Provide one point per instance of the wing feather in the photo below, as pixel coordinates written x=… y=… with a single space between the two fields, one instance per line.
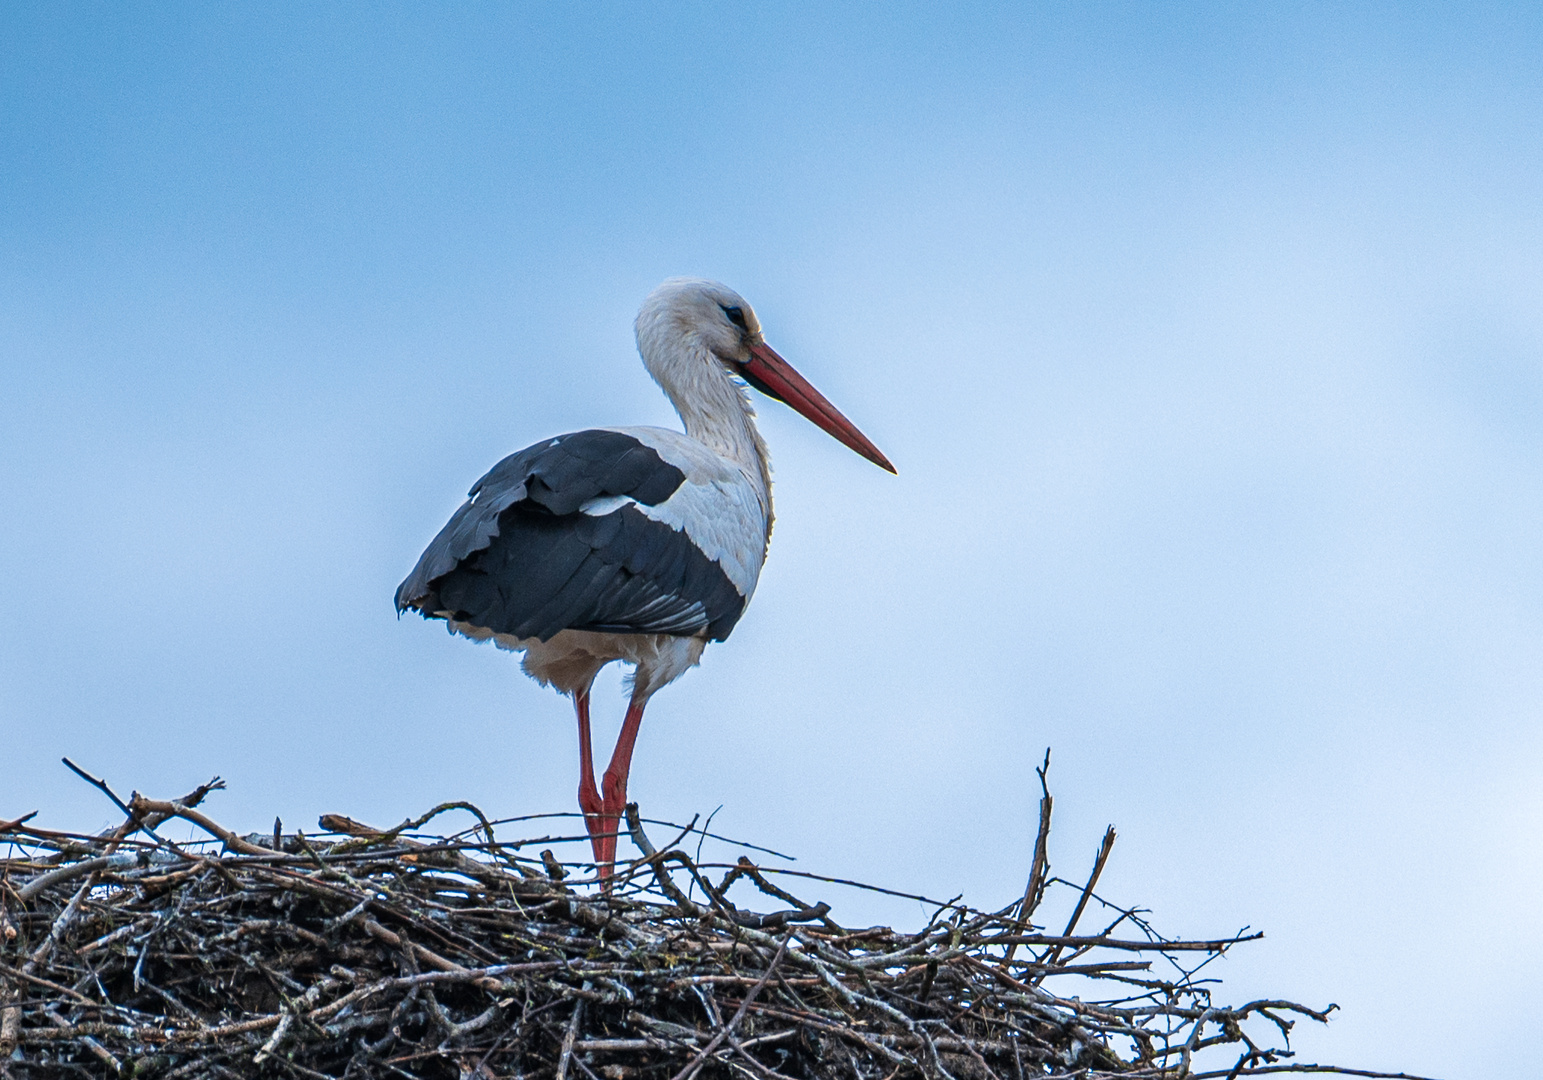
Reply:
x=529 y=555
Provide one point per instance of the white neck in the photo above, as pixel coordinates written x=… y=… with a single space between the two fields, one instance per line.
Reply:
x=714 y=409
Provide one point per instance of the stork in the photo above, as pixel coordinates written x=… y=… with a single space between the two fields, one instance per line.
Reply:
x=638 y=544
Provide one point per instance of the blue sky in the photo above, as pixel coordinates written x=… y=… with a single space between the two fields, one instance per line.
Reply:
x=1206 y=339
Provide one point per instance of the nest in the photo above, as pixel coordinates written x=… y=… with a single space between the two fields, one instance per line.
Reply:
x=360 y=952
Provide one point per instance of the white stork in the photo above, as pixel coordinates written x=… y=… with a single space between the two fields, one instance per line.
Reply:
x=638 y=544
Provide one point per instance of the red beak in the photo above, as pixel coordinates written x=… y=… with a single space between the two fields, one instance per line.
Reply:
x=775 y=377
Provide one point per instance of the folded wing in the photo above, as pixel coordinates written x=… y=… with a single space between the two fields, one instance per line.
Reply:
x=574 y=533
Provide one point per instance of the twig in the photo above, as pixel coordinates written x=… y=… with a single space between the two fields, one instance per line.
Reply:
x=12 y=826
x=140 y=808
x=1262 y=1070
x=568 y=1039
x=1104 y=848
x=728 y=1030
x=1041 y=864
x=363 y=955
x=100 y=785
x=65 y=873
x=1215 y=945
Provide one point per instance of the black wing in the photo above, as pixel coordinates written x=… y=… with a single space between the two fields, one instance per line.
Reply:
x=521 y=558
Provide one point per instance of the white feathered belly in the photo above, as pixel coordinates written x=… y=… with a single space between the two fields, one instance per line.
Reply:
x=570 y=659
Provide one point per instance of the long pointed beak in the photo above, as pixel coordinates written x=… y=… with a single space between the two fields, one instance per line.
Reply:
x=775 y=377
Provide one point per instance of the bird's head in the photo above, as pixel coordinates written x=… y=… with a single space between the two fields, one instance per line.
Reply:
x=687 y=318
x=704 y=312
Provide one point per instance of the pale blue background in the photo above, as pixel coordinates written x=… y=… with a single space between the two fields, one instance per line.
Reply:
x=1207 y=339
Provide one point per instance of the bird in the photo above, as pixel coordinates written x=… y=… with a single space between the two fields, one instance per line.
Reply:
x=633 y=544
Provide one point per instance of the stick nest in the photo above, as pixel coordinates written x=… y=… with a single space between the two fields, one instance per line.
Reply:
x=365 y=953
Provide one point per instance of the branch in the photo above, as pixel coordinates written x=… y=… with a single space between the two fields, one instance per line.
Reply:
x=1040 y=868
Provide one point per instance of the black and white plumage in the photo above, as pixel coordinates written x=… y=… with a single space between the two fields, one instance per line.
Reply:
x=574 y=534
x=636 y=544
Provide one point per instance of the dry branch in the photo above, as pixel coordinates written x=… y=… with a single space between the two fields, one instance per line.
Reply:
x=364 y=952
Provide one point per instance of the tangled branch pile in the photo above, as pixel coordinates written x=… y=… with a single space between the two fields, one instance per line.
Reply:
x=364 y=953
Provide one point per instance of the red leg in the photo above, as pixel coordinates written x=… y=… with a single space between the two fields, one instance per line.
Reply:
x=615 y=780
x=589 y=796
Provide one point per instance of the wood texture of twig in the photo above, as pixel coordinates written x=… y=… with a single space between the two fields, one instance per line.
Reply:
x=1105 y=847
x=372 y=952
x=728 y=1030
x=1039 y=868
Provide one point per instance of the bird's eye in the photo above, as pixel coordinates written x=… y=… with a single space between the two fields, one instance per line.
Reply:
x=735 y=315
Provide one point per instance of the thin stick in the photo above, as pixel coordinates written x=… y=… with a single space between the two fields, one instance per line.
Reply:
x=1335 y=1070
x=135 y=821
x=11 y=826
x=100 y=785
x=568 y=1037
x=1104 y=849
x=744 y=1006
x=1040 y=868
x=423 y=926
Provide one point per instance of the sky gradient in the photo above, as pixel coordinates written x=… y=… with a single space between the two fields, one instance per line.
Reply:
x=1206 y=338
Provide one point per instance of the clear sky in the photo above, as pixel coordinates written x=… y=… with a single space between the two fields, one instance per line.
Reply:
x=1207 y=339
